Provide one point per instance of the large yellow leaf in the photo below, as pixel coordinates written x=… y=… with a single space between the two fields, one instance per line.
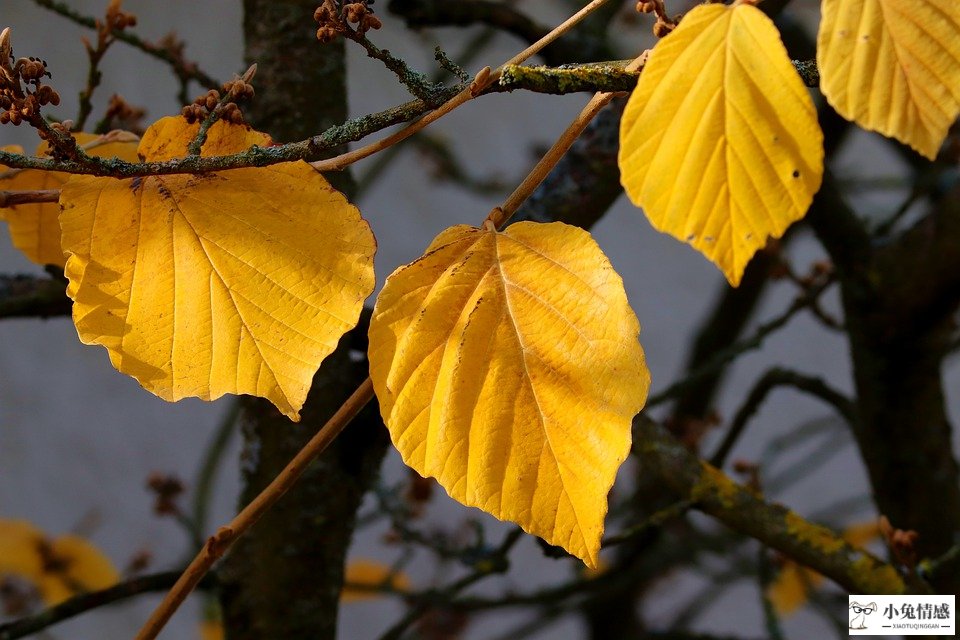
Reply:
x=34 y=228
x=59 y=568
x=719 y=142
x=507 y=366
x=893 y=66
x=237 y=282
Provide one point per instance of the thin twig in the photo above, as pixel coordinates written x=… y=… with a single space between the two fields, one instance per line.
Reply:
x=85 y=602
x=415 y=81
x=496 y=563
x=218 y=544
x=183 y=69
x=721 y=358
x=94 y=76
x=484 y=79
x=211 y=463
x=777 y=377
x=652 y=523
x=13 y=198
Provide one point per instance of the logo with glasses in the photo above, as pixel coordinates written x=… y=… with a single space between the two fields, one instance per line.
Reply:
x=859 y=613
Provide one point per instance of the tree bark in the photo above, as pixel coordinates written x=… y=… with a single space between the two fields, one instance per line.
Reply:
x=899 y=299
x=283 y=579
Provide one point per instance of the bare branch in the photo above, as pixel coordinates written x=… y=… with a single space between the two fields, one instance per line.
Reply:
x=13 y=198
x=85 y=602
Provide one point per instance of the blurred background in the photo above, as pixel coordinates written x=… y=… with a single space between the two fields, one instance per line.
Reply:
x=78 y=440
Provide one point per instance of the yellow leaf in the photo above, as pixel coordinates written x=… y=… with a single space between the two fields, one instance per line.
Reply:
x=791 y=588
x=83 y=568
x=211 y=630
x=20 y=542
x=719 y=142
x=237 y=282
x=59 y=568
x=507 y=367
x=893 y=66
x=861 y=534
x=373 y=574
x=34 y=228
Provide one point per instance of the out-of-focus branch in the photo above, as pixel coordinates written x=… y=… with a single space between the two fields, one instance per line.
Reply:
x=183 y=69
x=503 y=17
x=23 y=296
x=724 y=356
x=772 y=379
x=13 y=198
x=437 y=13
x=817 y=547
x=85 y=602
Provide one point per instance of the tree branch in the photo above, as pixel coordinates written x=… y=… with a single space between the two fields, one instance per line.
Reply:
x=772 y=379
x=600 y=76
x=416 y=82
x=183 y=69
x=13 y=198
x=437 y=13
x=23 y=296
x=817 y=547
x=85 y=602
x=721 y=358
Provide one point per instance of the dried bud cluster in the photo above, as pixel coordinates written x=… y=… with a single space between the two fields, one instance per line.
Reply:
x=63 y=127
x=223 y=105
x=117 y=19
x=901 y=542
x=166 y=490
x=238 y=89
x=335 y=18
x=661 y=29
x=664 y=23
x=121 y=114
x=22 y=92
